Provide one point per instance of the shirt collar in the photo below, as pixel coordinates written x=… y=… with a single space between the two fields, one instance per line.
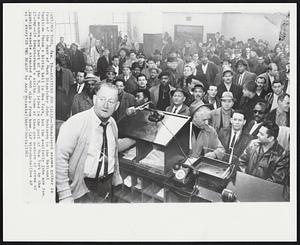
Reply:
x=96 y=119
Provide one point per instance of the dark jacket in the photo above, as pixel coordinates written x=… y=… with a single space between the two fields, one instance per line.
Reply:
x=210 y=75
x=235 y=89
x=183 y=111
x=272 y=166
x=249 y=127
x=130 y=84
x=218 y=100
x=81 y=102
x=240 y=144
x=218 y=80
x=77 y=61
x=248 y=105
x=102 y=65
x=127 y=100
x=248 y=77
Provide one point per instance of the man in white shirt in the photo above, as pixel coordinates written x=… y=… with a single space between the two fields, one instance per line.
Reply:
x=87 y=151
x=177 y=106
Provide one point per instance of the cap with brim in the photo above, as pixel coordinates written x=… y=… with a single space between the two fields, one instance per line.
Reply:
x=227 y=70
x=198 y=85
x=196 y=106
x=171 y=59
x=242 y=62
x=126 y=66
x=91 y=77
x=154 y=68
x=227 y=96
x=110 y=69
x=164 y=73
x=178 y=90
x=141 y=55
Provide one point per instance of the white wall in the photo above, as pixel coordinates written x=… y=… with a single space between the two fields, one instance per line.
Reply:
x=211 y=22
x=92 y=17
x=246 y=25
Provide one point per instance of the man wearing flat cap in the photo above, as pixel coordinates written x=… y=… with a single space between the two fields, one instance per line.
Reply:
x=177 y=106
x=153 y=77
x=84 y=100
x=110 y=75
x=220 y=117
x=198 y=92
x=161 y=94
x=228 y=85
x=243 y=76
x=204 y=139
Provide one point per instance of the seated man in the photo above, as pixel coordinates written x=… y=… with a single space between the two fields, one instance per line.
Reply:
x=220 y=118
x=142 y=96
x=191 y=81
x=259 y=114
x=281 y=115
x=204 y=138
x=84 y=100
x=264 y=157
x=234 y=138
x=126 y=100
x=177 y=106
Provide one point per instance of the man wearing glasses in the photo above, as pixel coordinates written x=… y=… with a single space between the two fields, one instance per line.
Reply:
x=87 y=151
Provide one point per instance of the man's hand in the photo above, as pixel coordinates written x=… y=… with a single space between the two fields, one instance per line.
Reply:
x=211 y=155
x=67 y=200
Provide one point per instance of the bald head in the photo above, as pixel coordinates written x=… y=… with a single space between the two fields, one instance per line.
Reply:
x=201 y=117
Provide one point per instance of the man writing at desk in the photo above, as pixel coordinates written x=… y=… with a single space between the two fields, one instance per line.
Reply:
x=265 y=157
x=87 y=151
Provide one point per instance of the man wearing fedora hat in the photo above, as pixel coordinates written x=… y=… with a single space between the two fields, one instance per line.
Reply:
x=110 y=75
x=220 y=118
x=84 y=100
x=177 y=106
x=228 y=85
x=243 y=76
x=204 y=137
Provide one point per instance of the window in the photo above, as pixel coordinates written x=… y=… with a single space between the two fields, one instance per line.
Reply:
x=67 y=27
x=120 y=19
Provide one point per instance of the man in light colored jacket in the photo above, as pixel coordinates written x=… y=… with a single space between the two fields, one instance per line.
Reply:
x=85 y=171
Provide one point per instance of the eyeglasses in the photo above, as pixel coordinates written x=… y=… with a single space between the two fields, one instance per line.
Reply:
x=110 y=102
x=259 y=112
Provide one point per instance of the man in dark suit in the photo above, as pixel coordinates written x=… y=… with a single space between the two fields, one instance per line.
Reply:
x=130 y=80
x=281 y=115
x=77 y=59
x=206 y=71
x=249 y=100
x=259 y=114
x=103 y=63
x=234 y=138
x=228 y=85
x=126 y=100
x=177 y=106
x=270 y=75
x=84 y=100
x=243 y=75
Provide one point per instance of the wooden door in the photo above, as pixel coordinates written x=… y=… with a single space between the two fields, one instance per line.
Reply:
x=152 y=42
x=108 y=34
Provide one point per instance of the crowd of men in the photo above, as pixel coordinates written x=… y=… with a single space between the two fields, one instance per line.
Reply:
x=236 y=92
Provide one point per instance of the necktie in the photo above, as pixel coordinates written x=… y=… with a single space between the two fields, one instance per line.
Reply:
x=104 y=153
x=175 y=109
x=78 y=87
x=232 y=141
x=240 y=80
